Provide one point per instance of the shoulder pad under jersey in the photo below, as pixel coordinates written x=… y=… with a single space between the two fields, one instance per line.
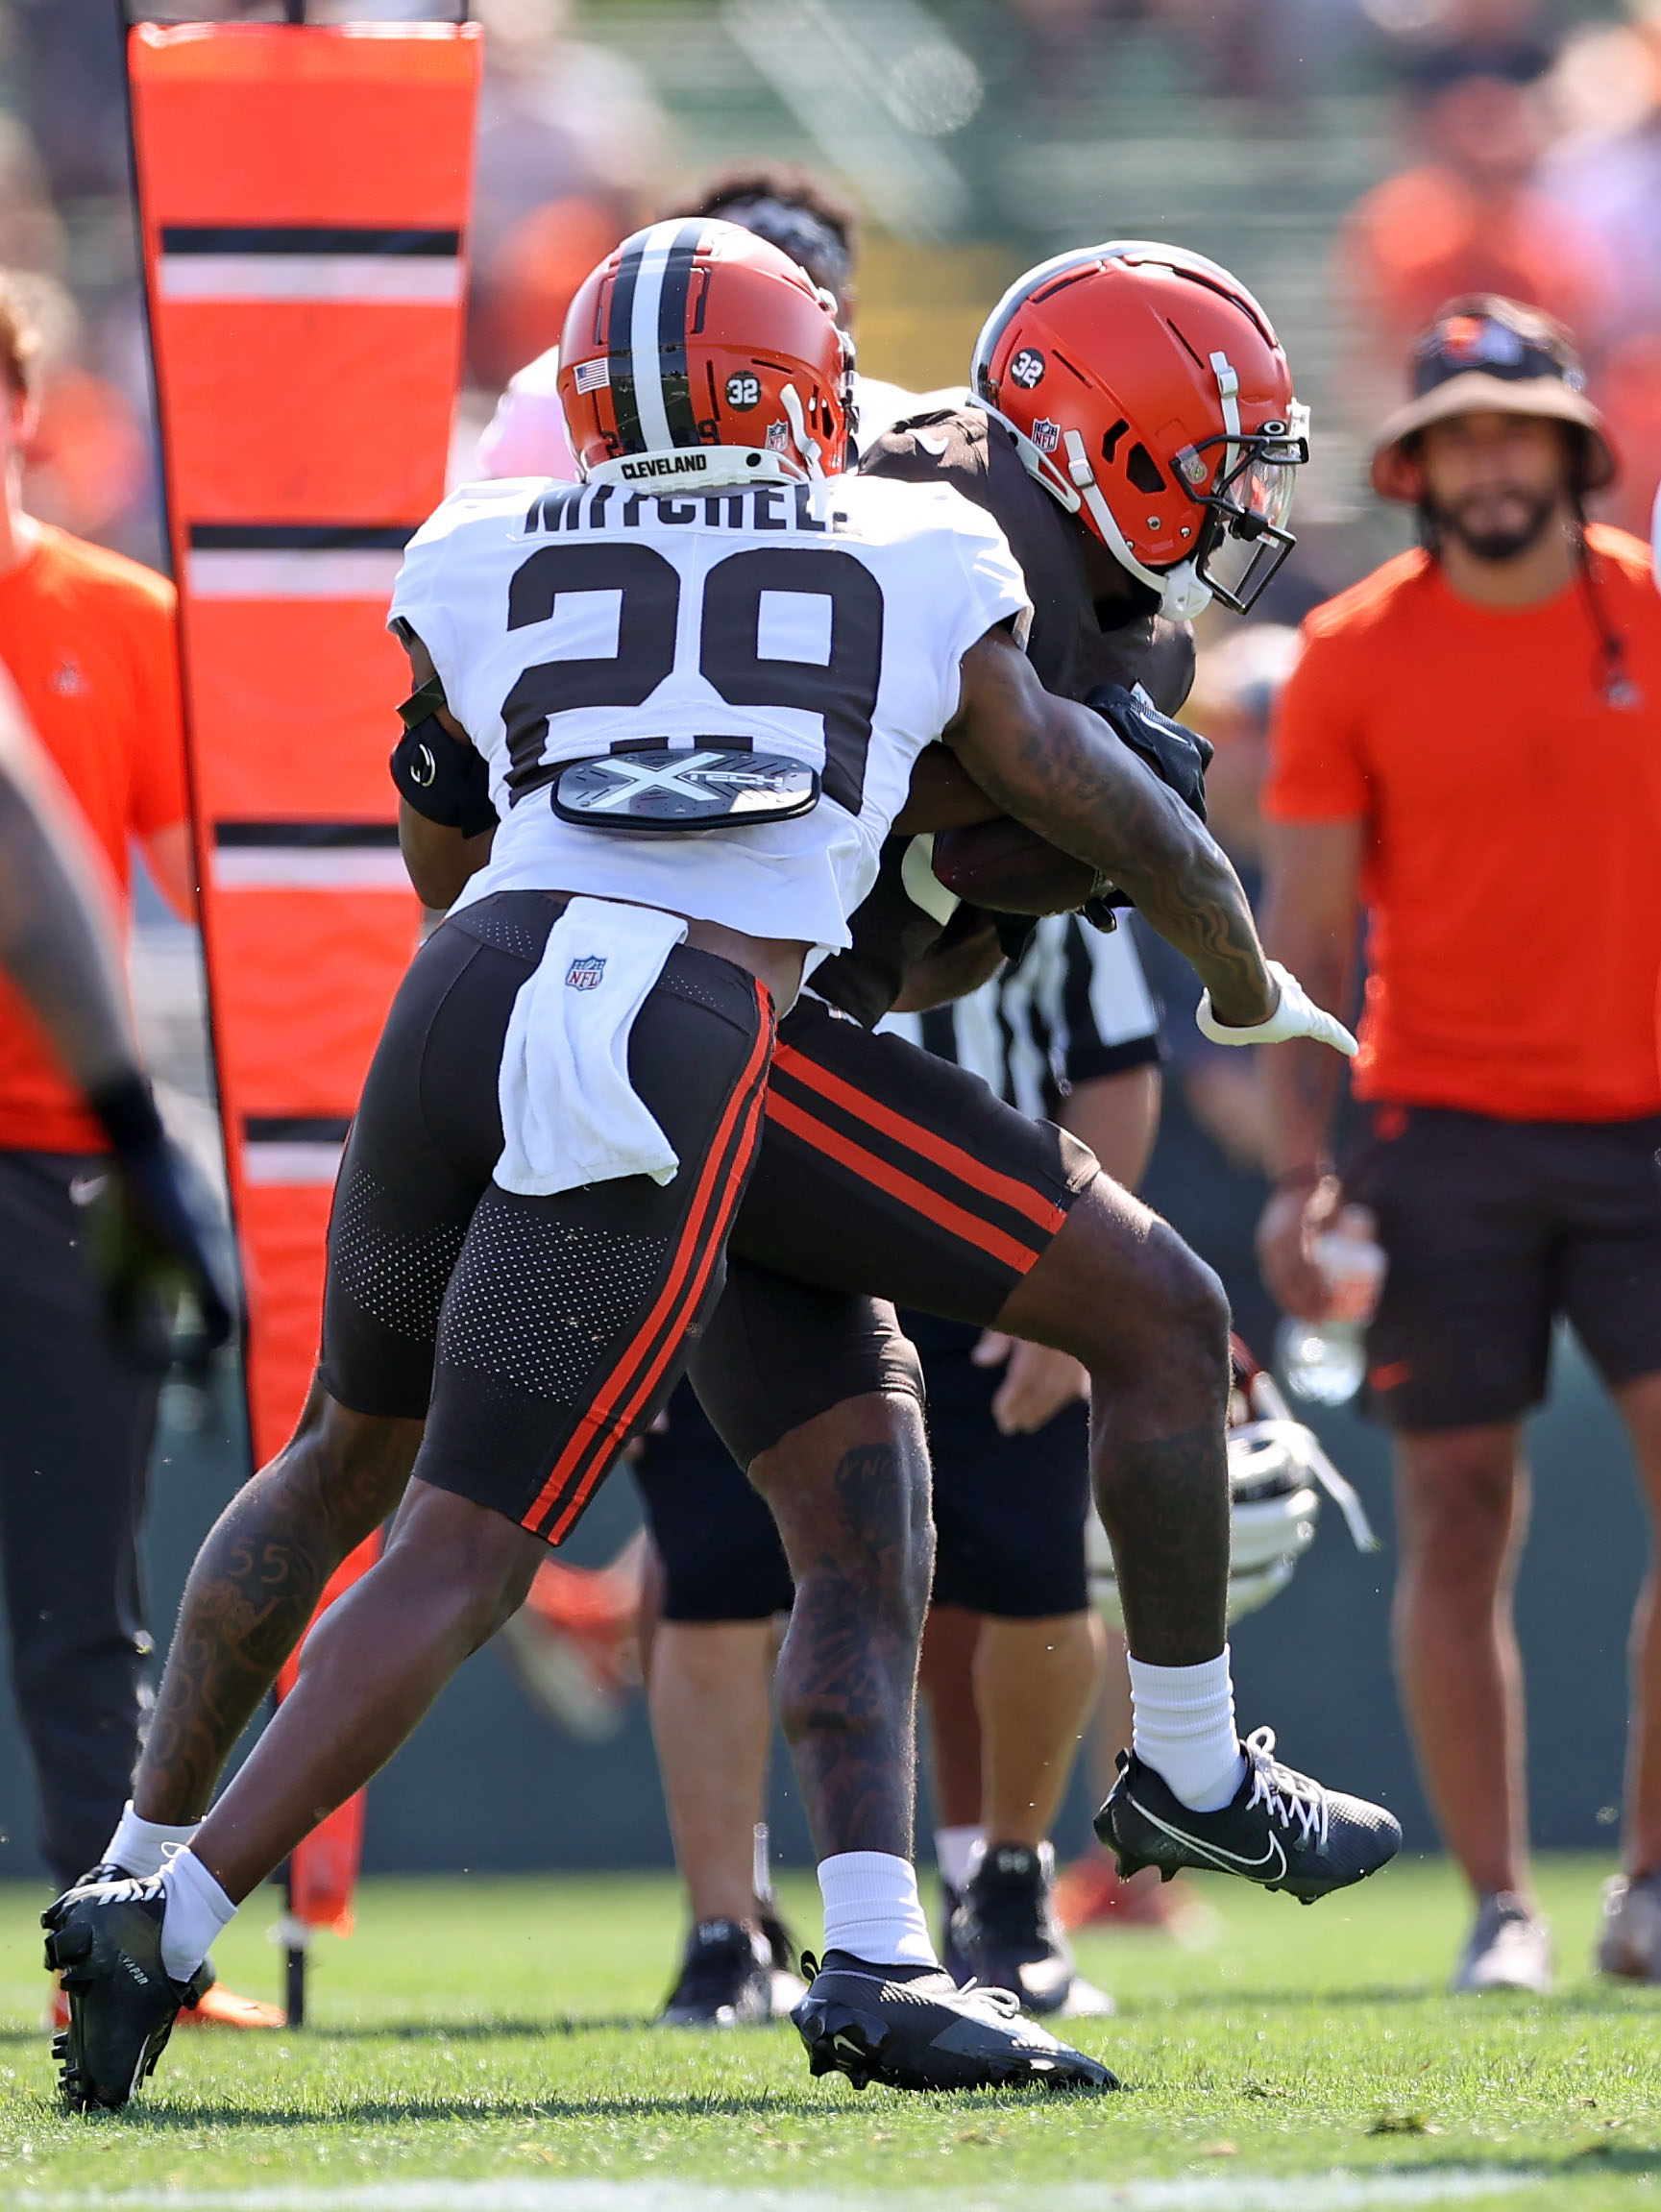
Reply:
x=1070 y=650
x=945 y=445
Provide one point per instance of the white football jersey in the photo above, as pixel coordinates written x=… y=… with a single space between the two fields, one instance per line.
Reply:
x=821 y=622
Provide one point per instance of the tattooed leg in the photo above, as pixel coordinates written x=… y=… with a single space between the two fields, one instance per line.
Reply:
x=850 y=1493
x=452 y=1573
x=1122 y=1292
x=255 y=1586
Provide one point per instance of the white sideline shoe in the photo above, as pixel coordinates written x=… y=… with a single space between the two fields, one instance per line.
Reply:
x=1629 y=1934
x=1510 y=1948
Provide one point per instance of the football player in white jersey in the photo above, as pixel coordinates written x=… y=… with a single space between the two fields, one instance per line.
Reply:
x=720 y=1569
x=563 y=1113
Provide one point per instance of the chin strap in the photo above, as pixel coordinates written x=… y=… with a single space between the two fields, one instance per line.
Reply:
x=1036 y=464
x=1182 y=595
x=807 y=445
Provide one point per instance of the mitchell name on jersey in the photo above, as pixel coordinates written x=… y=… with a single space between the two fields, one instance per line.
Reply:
x=819 y=624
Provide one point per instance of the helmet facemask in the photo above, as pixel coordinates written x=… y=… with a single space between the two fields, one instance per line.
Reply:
x=1244 y=539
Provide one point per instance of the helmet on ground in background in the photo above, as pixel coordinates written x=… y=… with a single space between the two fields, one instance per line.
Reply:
x=696 y=354
x=1276 y=1475
x=1148 y=393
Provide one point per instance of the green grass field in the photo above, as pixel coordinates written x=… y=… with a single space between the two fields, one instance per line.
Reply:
x=482 y=2044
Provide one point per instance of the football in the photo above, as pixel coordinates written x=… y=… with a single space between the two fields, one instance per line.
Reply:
x=1005 y=866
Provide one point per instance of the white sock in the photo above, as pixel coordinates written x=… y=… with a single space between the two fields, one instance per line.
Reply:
x=1184 y=1729
x=197 y=1910
x=143 y=1846
x=958 y=1852
x=871 y=1907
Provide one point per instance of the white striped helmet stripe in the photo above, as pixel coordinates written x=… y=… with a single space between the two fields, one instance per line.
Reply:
x=642 y=336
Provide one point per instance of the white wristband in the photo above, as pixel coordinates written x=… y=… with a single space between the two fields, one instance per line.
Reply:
x=1297 y=1015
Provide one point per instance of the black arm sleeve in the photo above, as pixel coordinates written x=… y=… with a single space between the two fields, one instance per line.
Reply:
x=443 y=778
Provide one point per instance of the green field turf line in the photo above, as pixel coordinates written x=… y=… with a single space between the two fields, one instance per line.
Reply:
x=1232 y=2193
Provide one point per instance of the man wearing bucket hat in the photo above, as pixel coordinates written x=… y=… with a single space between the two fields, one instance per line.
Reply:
x=1469 y=753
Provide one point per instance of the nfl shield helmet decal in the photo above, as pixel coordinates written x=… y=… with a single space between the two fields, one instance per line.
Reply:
x=1046 y=436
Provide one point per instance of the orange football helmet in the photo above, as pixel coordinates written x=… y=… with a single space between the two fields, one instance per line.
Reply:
x=697 y=353
x=1147 y=391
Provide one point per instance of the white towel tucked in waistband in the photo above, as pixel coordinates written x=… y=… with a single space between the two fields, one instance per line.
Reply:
x=570 y=1114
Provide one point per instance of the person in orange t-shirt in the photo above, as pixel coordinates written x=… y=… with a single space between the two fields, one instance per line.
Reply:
x=89 y=641
x=1470 y=751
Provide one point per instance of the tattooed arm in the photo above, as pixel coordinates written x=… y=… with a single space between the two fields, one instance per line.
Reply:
x=1061 y=770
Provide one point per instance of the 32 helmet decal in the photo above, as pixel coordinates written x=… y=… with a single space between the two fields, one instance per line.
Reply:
x=684 y=343
x=1167 y=420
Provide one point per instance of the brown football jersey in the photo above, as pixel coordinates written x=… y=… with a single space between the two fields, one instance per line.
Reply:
x=1075 y=644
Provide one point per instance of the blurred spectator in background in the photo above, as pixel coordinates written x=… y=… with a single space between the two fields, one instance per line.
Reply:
x=1470 y=748
x=70 y=63
x=1606 y=170
x=1606 y=174
x=1469 y=215
x=66 y=217
x=87 y=466
x=570 y=139
x=88 y=639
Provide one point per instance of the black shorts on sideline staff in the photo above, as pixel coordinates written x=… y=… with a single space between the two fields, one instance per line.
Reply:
x=1492 y=1231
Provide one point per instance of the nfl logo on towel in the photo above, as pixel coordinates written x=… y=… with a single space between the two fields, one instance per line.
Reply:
x=583 y=975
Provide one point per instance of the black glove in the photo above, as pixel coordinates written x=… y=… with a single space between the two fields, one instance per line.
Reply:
x=1178 y=756
x=1015 y=933
x=151 y=1240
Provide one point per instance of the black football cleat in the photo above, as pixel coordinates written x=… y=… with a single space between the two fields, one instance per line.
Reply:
x=1006 y=1933
x=725 y=1978
x=1280 y=1828
x=912 y=2028
x=104 y=1943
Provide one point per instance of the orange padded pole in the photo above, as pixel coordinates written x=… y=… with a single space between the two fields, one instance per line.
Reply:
x=304 y=195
